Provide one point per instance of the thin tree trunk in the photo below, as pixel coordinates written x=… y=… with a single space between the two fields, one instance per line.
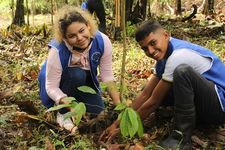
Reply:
x=32 y=10
x=12 y=7
x=124 y=50
x=117 y=16
x=208 y=7
x=117 y=19
x=52 y=11
x=211 y=6
x=28 y=22
x=178 y=7
x=149 y=9
x=205 y=8
x=129 y=4
x=170 y=8
x=19 y=14
x=201 y=8
x=143 y=9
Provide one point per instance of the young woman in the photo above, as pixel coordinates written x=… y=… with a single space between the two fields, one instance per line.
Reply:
x=74 y=56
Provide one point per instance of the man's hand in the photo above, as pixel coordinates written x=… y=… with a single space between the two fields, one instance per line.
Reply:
x=109 y=133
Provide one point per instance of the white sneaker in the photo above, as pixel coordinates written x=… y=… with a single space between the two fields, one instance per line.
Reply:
x=66 y=123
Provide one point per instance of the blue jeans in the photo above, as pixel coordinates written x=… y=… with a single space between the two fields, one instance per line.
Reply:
x=74 y=77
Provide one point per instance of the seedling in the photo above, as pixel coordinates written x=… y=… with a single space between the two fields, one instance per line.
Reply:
x=130 y=121
x=77 y=109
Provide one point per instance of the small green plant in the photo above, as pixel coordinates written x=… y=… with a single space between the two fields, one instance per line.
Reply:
x=83 y=143
x=77 y=109
x=130 y=121
x=3 y=120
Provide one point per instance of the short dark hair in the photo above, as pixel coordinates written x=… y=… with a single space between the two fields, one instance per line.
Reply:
x=145 y=29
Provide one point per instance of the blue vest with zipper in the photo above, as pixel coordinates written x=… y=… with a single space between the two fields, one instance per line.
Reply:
x=95 y=53
x=215 y=74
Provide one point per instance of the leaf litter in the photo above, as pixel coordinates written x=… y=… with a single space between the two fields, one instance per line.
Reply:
x=25 y=124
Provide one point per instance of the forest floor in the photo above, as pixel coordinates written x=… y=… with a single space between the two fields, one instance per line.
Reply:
x=24 y=123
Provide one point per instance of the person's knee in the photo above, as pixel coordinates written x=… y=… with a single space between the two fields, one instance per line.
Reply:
x=181 y=70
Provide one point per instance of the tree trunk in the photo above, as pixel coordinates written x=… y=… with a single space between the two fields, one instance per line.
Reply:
x=178 y=7
x=52 y=11
x=12 y=7
x=143 y=9
x=117 y=19
x=211 y=6
x=201 y=8
x=33 y=10
x=27 y=8
x=149 y=9
x=66 y=2
x=208 y=7
x=19 y=15
x=123 y=23
x=129 y=4
x=170 y=8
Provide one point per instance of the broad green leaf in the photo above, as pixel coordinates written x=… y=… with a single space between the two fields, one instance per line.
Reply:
x=120 y=115
x=59 y=107
x=80 y=108
x=69 y=99
x=120 y=106
x=140 y=126
x=70 y=114
x=80 y=111
x=123 y=124
x=86 y=89
x=132 y=123
x=133 y=118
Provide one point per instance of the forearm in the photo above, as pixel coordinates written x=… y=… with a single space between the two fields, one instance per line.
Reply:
x=139 y=100
x=157 y=96
x=146 y=109
x=113 y=92
x=146 y=93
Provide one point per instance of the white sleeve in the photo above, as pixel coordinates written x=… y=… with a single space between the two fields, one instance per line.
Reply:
x=53 y=76
x=106 y=72
x=186 y=56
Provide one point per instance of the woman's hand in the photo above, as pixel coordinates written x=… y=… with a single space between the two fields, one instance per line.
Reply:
x=65 y=101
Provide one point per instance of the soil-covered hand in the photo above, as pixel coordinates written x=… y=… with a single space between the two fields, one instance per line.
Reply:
x=65 y=100
x=109 y=133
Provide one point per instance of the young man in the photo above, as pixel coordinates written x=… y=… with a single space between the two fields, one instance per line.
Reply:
x=193 y=73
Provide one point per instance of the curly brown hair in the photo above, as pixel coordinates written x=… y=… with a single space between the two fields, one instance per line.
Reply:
x=69 y=14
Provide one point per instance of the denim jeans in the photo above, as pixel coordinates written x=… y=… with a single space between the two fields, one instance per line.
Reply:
x=74 y=77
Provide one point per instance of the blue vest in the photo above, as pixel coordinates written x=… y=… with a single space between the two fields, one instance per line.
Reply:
x=95 y=53
x=215 y=74
x=84 y=6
